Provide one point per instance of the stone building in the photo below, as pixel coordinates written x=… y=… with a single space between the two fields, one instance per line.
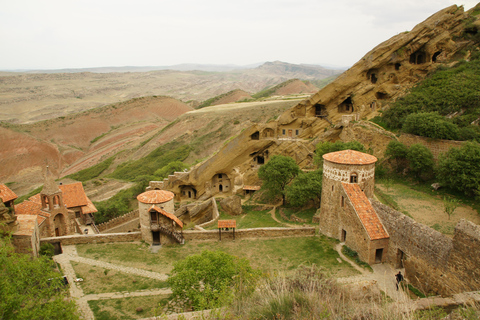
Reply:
x=346 y=212
x=23 y=229
x=157 y=222
x=60 y=209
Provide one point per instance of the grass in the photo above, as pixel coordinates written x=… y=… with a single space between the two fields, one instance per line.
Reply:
x=305 y=214
x=112 y=309
x=354 y=256
x=101 y=280
x=92 y=172
x=266 y=254
x=250 y=219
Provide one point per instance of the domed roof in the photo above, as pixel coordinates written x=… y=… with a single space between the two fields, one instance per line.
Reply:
x=350 y=157
x=155 y=196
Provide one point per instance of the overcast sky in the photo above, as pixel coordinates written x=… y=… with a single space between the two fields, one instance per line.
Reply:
x=53 y=34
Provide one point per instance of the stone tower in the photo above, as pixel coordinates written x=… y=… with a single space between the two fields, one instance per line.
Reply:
x=59 y=219
x=157 y=222
x=343 y=167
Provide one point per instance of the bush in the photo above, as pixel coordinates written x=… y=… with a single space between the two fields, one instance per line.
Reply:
x=432 y=125
x=211 y=279
x=420 y=160
x=458 y=169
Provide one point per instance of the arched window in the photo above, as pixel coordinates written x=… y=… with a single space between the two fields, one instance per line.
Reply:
x=353 y=178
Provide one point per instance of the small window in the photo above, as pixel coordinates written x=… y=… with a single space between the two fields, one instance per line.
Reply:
x=353 y=178
x=333 y=188
x=343 y=202
x=283 y=131
x=296 y=132
x=219 y=176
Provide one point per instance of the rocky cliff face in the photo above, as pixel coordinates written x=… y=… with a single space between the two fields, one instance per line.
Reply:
x=381 y=76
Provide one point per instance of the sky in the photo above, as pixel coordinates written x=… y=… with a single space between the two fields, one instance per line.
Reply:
x=55 y=34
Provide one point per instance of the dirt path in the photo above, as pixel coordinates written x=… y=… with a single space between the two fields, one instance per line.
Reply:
x=383 y=276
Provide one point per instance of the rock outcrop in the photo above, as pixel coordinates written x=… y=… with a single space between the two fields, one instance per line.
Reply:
x=382 y=75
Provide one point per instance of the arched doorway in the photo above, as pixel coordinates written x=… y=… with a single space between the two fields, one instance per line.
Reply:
x=59 y=225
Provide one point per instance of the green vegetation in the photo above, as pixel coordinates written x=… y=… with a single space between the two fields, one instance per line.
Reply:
x=453 y=92
x=31 y=288
x=100 y=280
x=420 y=160
x=276 y=175
x=160 y=157
x=126 y=308
x=269 y=255
x=354 y=256
x=458 y=169
x=211 y=279
x=92 y=172
x=306 y=187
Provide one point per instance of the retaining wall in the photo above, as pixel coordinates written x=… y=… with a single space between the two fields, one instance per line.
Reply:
x=213 y=235
x=94 y=238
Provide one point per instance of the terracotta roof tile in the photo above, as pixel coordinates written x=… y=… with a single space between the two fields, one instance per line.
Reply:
x=155 y=196
x=350 y=157
x=6 y=194
x=227 y=223
x=168 y=215
x=31 y=208
x=365 y=211
x=35 y=198
x=26 y=225
x=74 y=195
x=89 y=208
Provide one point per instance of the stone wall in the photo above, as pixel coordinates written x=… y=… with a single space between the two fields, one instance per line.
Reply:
x=433 y=262
x=94 y=238
x=213 y=235
x=129 y=226
x=189 y=235
x=437 y=147
x=117 y=221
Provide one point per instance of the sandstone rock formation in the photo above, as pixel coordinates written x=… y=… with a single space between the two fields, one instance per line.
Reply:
x=381 y=76
x=232 y=205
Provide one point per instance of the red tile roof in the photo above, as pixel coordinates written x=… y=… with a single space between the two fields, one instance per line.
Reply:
x=26 y=225
x=89 y=208
x=74 y=195
x=350 y=157
x=365 y=211
x=6 y=194
x=155 y=196
x=227 y=224
x=168 y=215
x=31 y=208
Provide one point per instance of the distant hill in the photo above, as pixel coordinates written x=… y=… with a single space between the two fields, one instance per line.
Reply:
x=229 y=97
x=289 y=87
x=31 y=97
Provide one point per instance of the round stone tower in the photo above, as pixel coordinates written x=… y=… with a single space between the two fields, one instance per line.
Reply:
x=150 y=204
x=343 y=167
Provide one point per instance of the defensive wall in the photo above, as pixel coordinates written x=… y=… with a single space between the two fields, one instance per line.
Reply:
x=125 y=223
x=436 y=146
x=433 y=262
x=189 y=235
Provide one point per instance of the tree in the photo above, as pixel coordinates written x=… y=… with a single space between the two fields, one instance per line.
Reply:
x=277 y=174
x=305 y=187
x=449 y=206
x=459 y=169
x=398 y=152
x=31 y=288
x=327 y=147
x=211 y=279
x=420 y=160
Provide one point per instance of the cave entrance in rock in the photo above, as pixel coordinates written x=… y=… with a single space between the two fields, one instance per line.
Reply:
x=320 y=110
x=418 y=57
x=435 y=56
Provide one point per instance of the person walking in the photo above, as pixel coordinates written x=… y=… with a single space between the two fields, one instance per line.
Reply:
x=399 y=278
